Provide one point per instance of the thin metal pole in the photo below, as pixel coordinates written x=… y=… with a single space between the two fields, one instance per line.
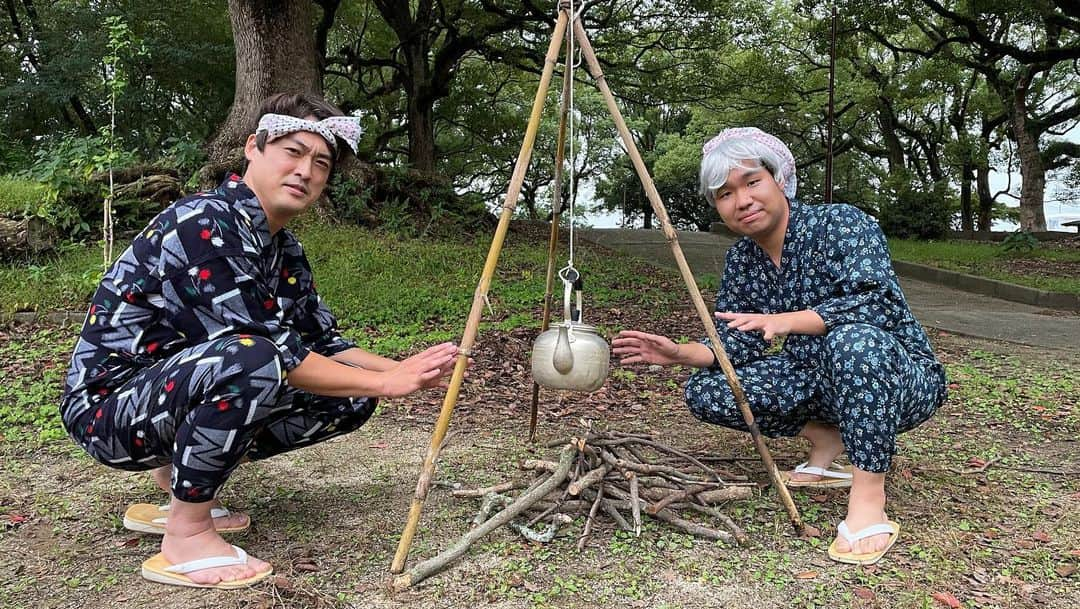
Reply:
x=695 y=295
x=472 y=325
x=832 y=118
x=553 y=240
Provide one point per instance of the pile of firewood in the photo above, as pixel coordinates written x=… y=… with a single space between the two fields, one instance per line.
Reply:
x=624 y=477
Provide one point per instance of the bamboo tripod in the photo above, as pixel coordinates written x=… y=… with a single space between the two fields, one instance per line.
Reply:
x=472 y=324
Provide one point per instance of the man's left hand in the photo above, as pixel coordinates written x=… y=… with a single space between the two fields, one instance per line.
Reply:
x=770 y=325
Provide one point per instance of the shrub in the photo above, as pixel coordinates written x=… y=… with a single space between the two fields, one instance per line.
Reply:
x=405 y=202
x=916 y=213
x=1019 y=241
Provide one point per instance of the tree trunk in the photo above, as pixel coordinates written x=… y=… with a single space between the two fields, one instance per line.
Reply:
x=421 y=134
x=893 y=146
x=275 y=53
x=421 y=107
x=1032 y=174
x=1032 y=170
x=966 y=220
x=986 y=200
x=28 y=236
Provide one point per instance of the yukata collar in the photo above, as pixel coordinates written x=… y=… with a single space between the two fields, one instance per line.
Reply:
x=241 y=195
x=791 y=234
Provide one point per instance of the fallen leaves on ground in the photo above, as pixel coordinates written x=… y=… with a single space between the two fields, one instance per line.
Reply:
x=946 y=599
x=864 y=593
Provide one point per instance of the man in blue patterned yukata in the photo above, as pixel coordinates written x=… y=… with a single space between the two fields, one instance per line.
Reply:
x=855 y=368
x=207 y=345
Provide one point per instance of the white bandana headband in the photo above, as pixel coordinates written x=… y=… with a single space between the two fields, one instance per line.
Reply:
x=345 y=127
x=787 y=164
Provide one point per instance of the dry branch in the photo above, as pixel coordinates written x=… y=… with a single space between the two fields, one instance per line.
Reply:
x=601 y=472
x=433 y=565
x=502 y=487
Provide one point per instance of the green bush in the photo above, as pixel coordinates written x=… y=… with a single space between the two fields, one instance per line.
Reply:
x=66 y=166
x=1019 y=241
x=405 y=202
x=916 y=213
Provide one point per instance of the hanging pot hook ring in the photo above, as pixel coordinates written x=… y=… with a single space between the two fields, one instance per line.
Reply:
x=569 y=276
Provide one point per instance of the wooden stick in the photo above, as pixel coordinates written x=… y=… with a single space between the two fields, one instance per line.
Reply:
x=501 y=487
x=589 y=520
x=720 y=495
x=472 y=325
x=437 y=563
x=693 y=528
x=539 y=465
x=660 y=211
x=673 y=497
x=553 y=238
x=678 y=453
x=616 y=516
x=592 y=477
x=668 y=516
x=640 y=468
x=635 y=505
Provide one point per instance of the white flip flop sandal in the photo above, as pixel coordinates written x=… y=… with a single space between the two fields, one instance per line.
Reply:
x=157 y=569
x=834 y=476
x=868 y=558
x=150 y=518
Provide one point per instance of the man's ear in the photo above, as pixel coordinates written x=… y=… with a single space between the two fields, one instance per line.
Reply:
x=250 y=148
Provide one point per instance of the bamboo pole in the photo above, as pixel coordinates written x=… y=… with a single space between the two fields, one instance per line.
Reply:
x=699 y=304
x=553 y=240
x=472 y=325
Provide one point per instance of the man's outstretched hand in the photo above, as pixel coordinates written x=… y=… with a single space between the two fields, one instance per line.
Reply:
x=424 y=370
x=634 y=347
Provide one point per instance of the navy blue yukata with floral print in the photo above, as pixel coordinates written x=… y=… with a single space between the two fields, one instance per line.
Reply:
x=873 y=374
x=187 y=344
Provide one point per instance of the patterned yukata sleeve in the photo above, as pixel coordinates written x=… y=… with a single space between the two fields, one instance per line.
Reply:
x=865 y=289
x=312 y=318
x=733 y=295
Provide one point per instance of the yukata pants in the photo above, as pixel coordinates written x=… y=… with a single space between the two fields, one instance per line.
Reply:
x=205 y=408
x=860 y=380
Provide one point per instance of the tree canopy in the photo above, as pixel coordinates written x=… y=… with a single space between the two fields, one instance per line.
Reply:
x=931 y=96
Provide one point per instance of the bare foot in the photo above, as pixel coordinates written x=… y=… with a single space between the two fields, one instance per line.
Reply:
x=825 y=446
x=190 y=535
x=866 y=507
x=235 y=520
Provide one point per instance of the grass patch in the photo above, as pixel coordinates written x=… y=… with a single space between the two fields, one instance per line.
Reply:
x=29 y=403
x=20 y=198
x=994 y=262
x=61 y=280
x=388 y=293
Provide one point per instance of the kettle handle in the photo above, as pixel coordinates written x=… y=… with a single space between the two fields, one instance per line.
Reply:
x=572 y=285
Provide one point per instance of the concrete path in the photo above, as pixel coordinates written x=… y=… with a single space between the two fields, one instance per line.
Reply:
x=935 y=306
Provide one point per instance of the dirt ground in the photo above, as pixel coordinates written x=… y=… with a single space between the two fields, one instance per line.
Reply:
x=987 y=494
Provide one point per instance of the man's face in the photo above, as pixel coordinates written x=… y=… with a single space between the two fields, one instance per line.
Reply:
x=288 y=174
x=751 y=203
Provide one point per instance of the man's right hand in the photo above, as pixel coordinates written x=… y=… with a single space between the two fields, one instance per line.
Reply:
x=424 y=370
x=634 y=347
x=640 y=347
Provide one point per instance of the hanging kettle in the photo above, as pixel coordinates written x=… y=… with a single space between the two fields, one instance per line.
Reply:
x=571 y=355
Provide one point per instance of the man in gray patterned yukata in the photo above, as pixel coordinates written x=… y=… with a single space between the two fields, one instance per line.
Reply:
x=855 y=368
x=206 y=344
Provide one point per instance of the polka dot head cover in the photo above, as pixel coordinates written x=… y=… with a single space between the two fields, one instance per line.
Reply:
x=345 y=127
